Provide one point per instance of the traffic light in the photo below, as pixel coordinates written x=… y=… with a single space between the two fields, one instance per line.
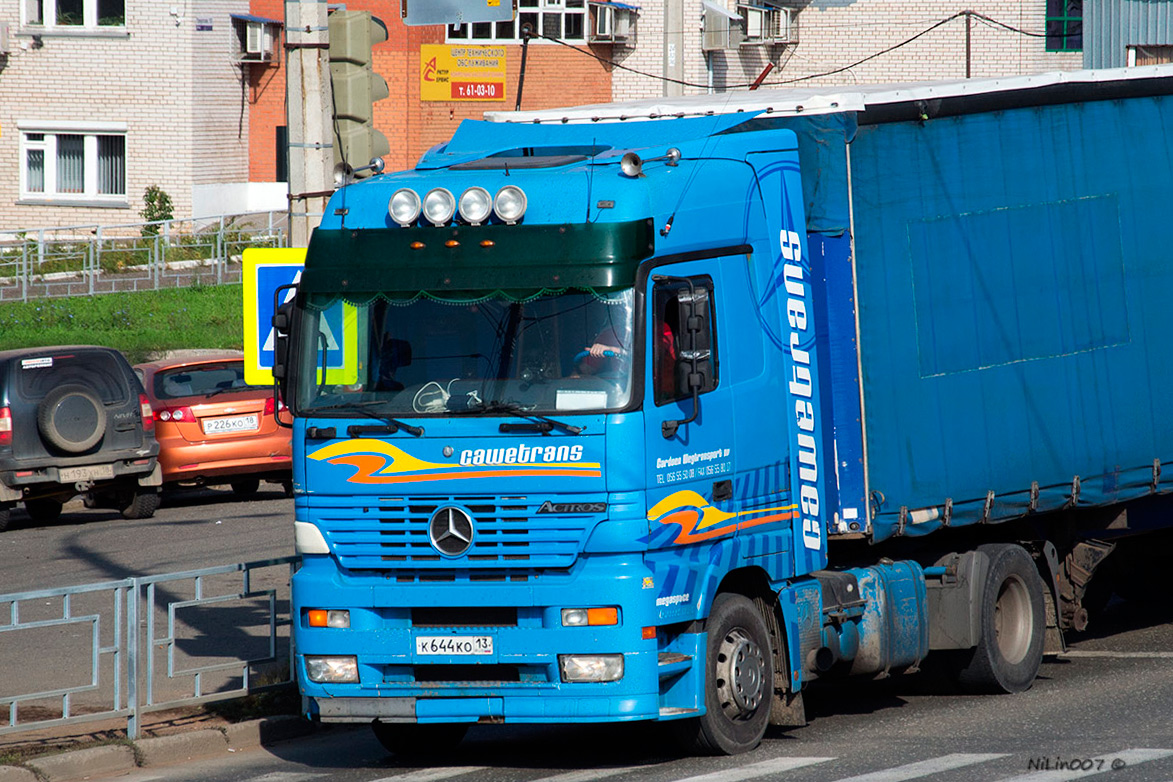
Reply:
x=356 y=88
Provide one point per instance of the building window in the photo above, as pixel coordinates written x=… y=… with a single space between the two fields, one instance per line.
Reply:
x=565 y=20
x=1064 y=25
x=1149 y=55
x=75 y=13
x=73 y=166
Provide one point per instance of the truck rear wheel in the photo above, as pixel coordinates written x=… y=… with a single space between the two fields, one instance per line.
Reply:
x=1013 y=623
x=5 y=512
x=415 y=739
x=739 y=681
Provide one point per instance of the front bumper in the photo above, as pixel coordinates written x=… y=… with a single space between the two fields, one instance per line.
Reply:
x=519 y=682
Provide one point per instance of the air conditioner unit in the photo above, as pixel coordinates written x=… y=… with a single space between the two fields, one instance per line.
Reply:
x=722 y=29
x=254 y=40
x=613 y=23
x=765 y=25
x=784 y=28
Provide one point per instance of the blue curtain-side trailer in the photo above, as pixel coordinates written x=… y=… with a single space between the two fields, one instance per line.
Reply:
x=647 y=411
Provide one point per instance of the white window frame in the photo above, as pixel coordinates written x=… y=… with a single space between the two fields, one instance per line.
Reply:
x=49 y=16
x=543 y=7
x=90 y=133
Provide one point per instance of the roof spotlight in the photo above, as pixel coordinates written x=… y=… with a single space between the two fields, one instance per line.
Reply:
x=475 y=205
x=404 y=207
x=439 y=206
x=509 y=205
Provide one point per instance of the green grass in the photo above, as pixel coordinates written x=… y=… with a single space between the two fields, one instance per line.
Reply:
x=138 y=324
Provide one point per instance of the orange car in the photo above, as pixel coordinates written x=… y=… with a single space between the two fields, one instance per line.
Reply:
x=212 y=427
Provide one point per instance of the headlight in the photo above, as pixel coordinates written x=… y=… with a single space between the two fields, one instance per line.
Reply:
x=589 y=617
x=332 y=670
x=404 y=207
x=439 y=206
x=509 y=205
x=321 y=617
x=591 y=667
x=475 y=205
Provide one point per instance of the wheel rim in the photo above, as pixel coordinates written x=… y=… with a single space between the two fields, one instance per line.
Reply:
x=741 y=670
x=1013 y=620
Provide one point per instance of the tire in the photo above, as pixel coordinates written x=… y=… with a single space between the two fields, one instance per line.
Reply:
x=246 y=487
x=44 y=510
x=739 y=681
x=287 y=487
x=419 y=740
x=5 y=512
x=1013 y=624
x=139 y=504
x=72 y=418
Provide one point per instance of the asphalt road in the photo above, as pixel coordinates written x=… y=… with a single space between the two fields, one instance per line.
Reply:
x=196 y=529
x=1107 y=707
x=1109 y=702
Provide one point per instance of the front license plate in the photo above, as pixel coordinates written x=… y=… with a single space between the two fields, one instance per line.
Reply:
x=239 y=423
x=93 y=472
x=454 y=644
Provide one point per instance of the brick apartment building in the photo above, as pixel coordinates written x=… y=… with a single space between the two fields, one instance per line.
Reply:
x=100 y=99
x=555 y=76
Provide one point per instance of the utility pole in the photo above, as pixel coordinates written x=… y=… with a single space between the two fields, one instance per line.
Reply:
x=308 y=101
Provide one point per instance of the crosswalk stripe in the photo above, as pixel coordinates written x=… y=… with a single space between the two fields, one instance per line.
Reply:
x=755 y=770
x=431 y=774
x=1110 y=763
x=1119 y=655
x=285 y=776
x=591 y=774
x=923 y=768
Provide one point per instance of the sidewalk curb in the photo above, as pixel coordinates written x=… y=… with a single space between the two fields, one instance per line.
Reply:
x=162 y=751
x=89 y=762
x=180 y=747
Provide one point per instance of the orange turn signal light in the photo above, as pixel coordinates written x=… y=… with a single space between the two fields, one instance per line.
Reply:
x=649 y=633
x=602 y=616
x=317 y=617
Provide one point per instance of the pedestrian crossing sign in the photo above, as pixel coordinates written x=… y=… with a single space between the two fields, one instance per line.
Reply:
x=266 y=270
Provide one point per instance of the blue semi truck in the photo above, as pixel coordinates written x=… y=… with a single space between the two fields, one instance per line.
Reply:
x=651 y=408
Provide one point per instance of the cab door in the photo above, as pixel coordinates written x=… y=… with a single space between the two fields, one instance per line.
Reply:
x=688 y=409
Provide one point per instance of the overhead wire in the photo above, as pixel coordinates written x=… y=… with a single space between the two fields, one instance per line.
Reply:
x=989 y=21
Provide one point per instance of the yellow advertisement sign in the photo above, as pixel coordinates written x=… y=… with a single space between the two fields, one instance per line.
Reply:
x=460 y=73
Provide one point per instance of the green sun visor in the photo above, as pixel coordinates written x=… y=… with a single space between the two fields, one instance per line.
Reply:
x=468 y=262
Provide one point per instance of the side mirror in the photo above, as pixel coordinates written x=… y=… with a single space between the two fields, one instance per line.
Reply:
x=694 y=363
x=282 y=323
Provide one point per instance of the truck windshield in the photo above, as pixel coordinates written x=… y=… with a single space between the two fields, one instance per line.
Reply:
x=554 y=353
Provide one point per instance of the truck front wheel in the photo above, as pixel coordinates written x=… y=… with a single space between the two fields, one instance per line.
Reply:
x=1013 y=623
x=739 y=680
x=421 y=740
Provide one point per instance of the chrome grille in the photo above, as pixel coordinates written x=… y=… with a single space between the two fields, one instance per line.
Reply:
x=511 y=538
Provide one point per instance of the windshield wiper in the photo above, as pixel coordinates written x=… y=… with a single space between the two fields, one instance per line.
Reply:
x=393 y=424
x=512 y=408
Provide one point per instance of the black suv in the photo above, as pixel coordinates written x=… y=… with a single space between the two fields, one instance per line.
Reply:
x=74 y=420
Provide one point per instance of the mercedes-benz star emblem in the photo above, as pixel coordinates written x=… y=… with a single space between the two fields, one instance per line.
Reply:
x=450 y=530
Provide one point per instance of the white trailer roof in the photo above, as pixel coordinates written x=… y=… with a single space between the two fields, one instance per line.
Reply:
x=820 y=100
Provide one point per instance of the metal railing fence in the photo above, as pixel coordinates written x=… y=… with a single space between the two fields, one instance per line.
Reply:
x=134 y=646
x=91 y=259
